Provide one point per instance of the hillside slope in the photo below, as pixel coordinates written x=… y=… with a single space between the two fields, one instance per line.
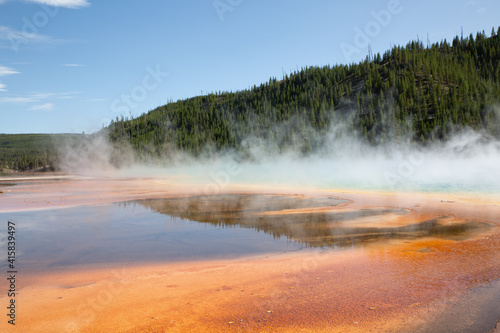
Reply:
x=31 y=152
x=412 y=92
x=420 y=91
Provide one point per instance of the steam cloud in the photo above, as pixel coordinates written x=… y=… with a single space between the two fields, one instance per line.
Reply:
x=467 y=161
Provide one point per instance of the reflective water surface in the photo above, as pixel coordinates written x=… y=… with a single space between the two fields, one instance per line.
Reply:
x=300 y=219
x=208 y=227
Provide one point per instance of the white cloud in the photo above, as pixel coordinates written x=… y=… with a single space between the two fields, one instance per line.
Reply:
x=63 y=3
x=73 y=65
x=7 y=71
x=96 y=100
x=44 y=107
x=15 y=100
x=37 y=97
x=481 y=10
x=12 y=38
x=4 y=71
x=67 y=95
x=7 y=33
x=63 y=95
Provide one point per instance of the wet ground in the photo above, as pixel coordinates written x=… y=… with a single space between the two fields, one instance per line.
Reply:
x=214 y=227
x=147 y=255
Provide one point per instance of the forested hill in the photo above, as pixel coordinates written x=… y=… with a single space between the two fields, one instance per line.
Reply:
x=424 y=92
x=433 y=88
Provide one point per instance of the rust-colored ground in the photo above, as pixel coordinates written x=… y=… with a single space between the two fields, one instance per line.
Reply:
x=385 y=287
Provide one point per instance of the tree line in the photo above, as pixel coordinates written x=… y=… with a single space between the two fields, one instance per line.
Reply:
x=416 y=91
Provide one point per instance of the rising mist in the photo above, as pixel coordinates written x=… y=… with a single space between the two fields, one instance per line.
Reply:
x=467 y=161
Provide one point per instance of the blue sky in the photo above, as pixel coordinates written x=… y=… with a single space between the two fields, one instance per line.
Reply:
x=71 y=65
